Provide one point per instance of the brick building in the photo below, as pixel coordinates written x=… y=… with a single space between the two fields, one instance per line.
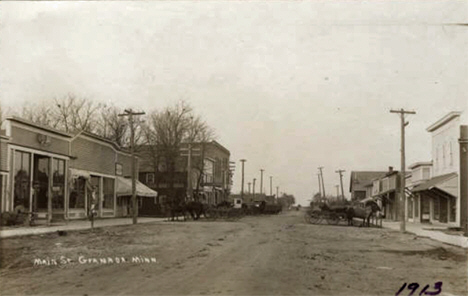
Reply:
x=58 y=175
x=210 y=175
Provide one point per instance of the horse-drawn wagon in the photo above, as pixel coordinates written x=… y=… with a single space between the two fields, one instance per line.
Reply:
x=366 y=210
x=326 y=214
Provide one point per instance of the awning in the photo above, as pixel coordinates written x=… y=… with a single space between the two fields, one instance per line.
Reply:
x=75 y=173
x=124 y=188
x=443 y=183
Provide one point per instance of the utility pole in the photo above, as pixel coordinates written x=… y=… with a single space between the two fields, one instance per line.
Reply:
x=261 y=180
x=402 y=202
x=320 y=185
x=253 y=188
x=277 y=188
x=323 y=183
x=271 y=184
x=337 y=192
x=189 y=155
x=242 y=185
x=130 y=113
x=341 y=182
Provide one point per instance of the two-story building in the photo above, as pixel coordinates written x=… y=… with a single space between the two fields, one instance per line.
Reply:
x=440 y=195
x=57 y=176
x=209 y=175
x=360 y=181
x=385 y=190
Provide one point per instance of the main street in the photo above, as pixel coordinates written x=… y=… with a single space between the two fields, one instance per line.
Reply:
x=265 y=255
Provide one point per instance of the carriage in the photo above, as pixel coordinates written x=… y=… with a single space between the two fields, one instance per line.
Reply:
x=326 y=214
x=366 y=210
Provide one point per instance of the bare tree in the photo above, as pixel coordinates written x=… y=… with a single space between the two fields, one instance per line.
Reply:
x=112 y=126
x=74 y=113
x=40 y=113
x=168 y=129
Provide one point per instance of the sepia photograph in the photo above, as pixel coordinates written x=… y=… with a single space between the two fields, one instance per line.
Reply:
x=234 y=147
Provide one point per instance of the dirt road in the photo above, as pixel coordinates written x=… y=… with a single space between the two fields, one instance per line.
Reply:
x=266 y=255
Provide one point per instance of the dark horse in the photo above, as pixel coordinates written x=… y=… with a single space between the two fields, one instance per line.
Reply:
x=365 y=213
x=196 y=209
x=177 y=207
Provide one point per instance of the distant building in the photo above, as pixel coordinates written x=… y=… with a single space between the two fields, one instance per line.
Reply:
x=385 y=189
x=210 y=175
x=358 y=182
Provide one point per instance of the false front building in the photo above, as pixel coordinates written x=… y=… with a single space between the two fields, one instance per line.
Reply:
x=55 y=175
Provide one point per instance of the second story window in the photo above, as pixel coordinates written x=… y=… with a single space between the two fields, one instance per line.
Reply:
x=451 y=153
x=150 y=178
x=443 y=156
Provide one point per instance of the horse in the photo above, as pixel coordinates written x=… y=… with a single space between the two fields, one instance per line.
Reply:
x=196 y=209
x=365 y=214
x=177 y=208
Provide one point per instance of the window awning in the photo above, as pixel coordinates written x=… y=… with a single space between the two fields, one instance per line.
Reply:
x=124 y=188
x=443 y=183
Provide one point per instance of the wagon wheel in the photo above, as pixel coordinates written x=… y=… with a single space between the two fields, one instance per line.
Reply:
x=333 y=219
x=315 y=217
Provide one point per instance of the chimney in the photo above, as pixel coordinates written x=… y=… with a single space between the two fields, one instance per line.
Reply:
x=390 y=169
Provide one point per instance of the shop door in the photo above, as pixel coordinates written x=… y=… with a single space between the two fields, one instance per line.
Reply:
x=443 y=210
x=41 y=183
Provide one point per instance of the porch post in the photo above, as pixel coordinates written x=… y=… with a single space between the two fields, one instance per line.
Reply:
x=49 y=194
x=463 y=178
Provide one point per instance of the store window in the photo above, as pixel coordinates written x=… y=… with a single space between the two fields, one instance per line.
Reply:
x=416 y=207
x=22 y=173
x=436 y=208
x=77 y=194
x=58 y=185
x=453 y=209
x=108 y=191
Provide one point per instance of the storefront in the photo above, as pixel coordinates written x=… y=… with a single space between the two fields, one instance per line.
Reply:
x=49 y=175
x=438 y=199
x=37 y=160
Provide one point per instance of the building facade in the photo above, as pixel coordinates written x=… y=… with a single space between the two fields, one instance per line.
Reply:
x=359 y=181
x=210 y=177
x=385 y=190
x=440 y=196
x=54 y=175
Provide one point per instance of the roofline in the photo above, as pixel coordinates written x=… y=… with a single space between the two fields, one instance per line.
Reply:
x=443 y=120
x=39 y=126
x=419 y=163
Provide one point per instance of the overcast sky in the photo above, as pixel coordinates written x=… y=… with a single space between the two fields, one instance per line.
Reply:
x=289 y=86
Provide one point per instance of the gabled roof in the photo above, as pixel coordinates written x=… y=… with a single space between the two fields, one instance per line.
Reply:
x=359 y=180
